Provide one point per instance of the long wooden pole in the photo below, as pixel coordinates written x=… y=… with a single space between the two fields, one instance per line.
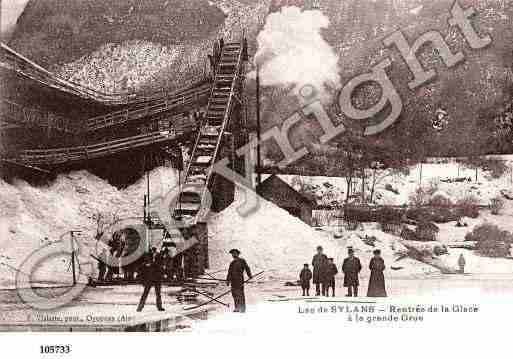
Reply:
x=73 y=258
x=420 y=175
x=148 y=182
x=258 y=166
x=220 y=295
x=209 y=297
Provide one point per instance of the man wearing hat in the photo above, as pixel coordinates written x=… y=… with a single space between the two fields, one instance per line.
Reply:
x=150 y=276
x=351 y=268
x=319 y=264
x=235 y=279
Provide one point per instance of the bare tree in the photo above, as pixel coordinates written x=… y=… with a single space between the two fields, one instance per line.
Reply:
x=381 y=171
x=102 y=220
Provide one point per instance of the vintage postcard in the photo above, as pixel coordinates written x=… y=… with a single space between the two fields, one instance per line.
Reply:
x=247 y=168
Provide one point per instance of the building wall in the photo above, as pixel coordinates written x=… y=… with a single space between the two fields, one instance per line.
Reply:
x=306 y=215
x=284 y=197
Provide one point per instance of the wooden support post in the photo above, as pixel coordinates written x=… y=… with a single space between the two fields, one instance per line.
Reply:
x=73 y=267
x=259 y=163
x=73 y=257
x=201 y=233
x=420 y=175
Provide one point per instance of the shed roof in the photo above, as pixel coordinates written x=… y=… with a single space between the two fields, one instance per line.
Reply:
x=274 y=182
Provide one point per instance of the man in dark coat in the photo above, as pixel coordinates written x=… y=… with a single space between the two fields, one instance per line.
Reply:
x=305 y=276
x=165 y=262
x=351 y=269
x=151 y=276
x=331 y=272
x=111 y=268
x=377 y=279
x=235 y=279
x=319 y=263
x=178 y=267
x=102 y=265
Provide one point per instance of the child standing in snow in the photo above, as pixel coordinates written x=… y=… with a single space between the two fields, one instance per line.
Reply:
x=304 y=277
x=330 y=277
x=461 y=263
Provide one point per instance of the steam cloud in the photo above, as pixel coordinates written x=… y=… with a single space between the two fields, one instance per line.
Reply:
x=292 y=52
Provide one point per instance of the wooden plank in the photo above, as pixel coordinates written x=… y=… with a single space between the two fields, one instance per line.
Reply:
x=70 y=154
x=38 y=169
x=120 y=117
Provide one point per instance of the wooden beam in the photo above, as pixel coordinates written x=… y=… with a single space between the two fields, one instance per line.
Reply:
x=34 y=168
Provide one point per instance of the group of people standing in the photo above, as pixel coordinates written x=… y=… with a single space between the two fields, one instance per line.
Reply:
x=171 y=265
x=153 y=272
x=325 y=270
x=156 y=268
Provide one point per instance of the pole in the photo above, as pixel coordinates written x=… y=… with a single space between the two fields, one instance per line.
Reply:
x=259 y=176
x=179 y=191
x=73 y=258
x=363 y=185
x=420 y=175
x=146 y=199
x=208 y=296
x=144 y=209
x=148 y=183
x=220 y=295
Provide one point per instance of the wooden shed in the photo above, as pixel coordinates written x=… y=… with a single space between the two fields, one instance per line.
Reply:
x=277 y=191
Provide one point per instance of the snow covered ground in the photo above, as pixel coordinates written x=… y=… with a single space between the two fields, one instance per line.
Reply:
x=484 y=189
x=270 y=239
x=274 y=309
x=31 y=217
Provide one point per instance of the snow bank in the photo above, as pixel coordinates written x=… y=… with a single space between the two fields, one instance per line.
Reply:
x=120 y=67
x=271 y=239
x=29 y=214
x=392 y=250
x=476 y=263
x=138 y=65
x=484 y=189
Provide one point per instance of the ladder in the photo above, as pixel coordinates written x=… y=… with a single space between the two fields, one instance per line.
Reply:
x=199 y=171
x=191 y=202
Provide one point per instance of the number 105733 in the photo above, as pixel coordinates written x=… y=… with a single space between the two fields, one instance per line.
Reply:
x=55 y=349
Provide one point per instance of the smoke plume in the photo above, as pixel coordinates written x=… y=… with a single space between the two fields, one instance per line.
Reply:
x=292 y=52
